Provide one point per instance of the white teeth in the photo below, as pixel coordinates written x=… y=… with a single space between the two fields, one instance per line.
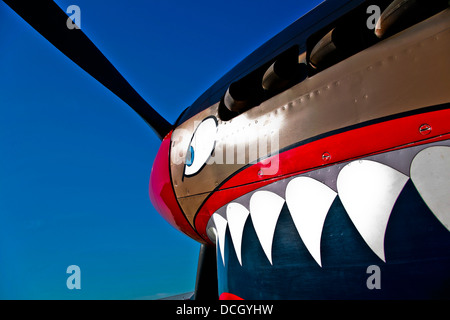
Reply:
x=430 y=173
x=368 y=190
x=237 y=216
x=221 y=228
x=265 y=208
x=308 y=201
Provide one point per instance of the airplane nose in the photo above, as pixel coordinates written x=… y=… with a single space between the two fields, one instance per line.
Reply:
x=162 y=194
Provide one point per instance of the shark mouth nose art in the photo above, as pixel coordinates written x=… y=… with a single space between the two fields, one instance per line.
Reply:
x=367 y=188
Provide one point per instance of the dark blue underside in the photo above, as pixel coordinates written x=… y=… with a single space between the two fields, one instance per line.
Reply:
x=417 y=249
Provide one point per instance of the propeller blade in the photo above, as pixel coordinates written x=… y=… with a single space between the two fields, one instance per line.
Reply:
x=47 y=18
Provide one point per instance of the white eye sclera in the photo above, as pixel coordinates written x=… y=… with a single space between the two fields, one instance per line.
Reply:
x=201 y=147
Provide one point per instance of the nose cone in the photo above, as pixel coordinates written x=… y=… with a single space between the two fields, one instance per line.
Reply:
x=162 y=194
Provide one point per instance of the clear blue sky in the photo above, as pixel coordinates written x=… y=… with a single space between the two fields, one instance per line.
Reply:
x=75 y=160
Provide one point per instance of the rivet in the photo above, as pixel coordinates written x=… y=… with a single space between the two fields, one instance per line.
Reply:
x=326 y=156
x=425 y=129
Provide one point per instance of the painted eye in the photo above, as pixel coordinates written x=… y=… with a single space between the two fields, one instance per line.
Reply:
x=201 y=147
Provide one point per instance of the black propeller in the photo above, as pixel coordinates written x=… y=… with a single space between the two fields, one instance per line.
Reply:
x=47 y=18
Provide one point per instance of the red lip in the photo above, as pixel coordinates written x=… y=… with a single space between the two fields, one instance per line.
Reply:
x=229 y=296
x=162 y=194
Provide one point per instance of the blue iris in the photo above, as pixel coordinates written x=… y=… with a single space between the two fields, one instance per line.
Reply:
x=190 y=156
